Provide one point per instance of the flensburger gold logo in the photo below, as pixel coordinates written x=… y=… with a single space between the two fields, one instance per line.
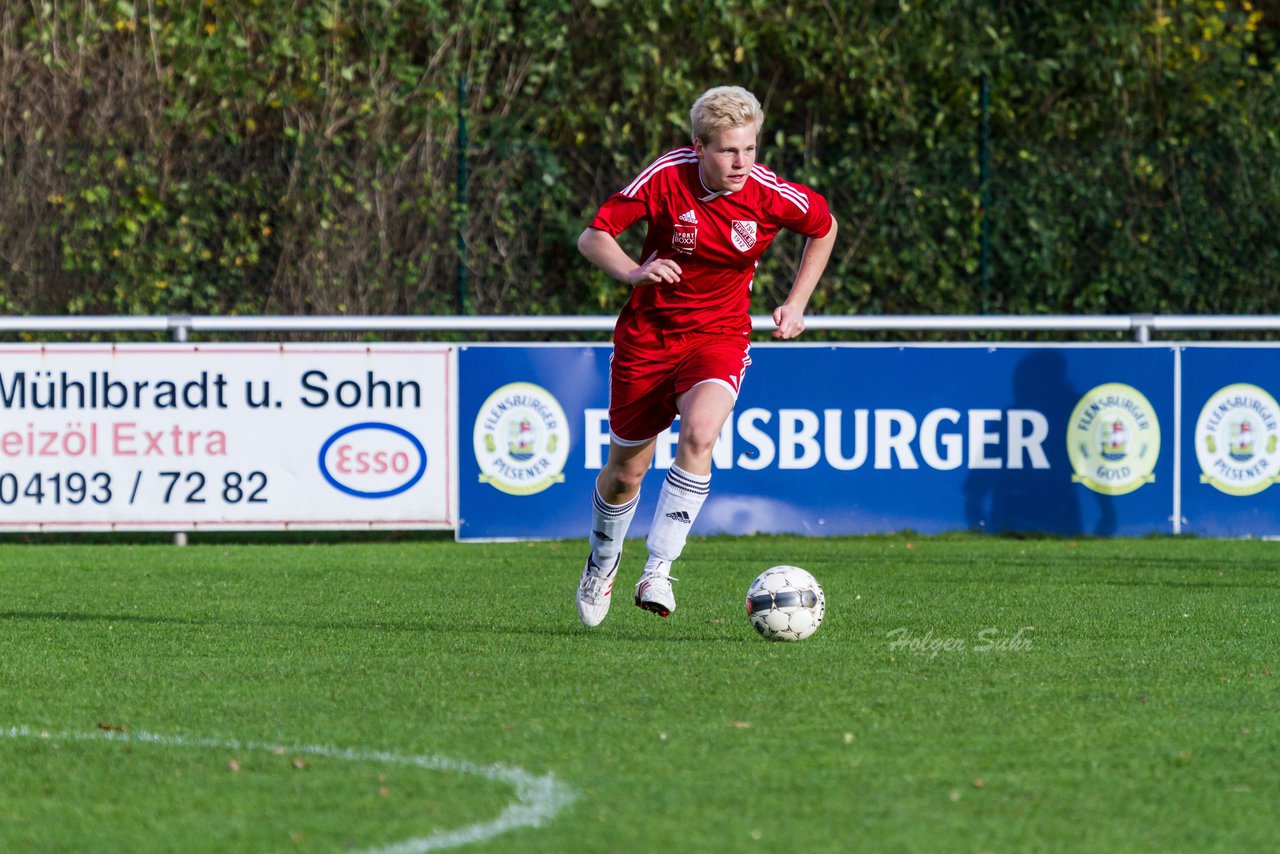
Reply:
x=1236 y=439
x=1113 y=439
x=521 y=439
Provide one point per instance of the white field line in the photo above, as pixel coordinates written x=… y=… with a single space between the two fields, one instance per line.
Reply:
x=538 y=799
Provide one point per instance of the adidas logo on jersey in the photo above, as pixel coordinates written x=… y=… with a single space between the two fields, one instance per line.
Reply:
x=680 y=516
x=689 y=217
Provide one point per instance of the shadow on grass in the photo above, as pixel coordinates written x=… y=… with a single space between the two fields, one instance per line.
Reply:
x=1041 y=581
x=425 y=628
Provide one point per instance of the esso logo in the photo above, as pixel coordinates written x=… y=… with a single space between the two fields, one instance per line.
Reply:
x=372 y=460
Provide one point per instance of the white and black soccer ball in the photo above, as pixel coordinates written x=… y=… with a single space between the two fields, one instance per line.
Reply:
x=785 y=603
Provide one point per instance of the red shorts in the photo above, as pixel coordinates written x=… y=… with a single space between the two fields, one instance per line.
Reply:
x=644 y=381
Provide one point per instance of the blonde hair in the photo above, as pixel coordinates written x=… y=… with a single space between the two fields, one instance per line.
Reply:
x=724 y=108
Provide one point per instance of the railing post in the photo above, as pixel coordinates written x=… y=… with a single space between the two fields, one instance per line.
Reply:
x=178 y=332
x=984 y=186
x=461 y=217
x=1142 y=324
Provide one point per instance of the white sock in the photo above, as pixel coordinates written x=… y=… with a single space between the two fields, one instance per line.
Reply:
x=678 y=505
x=609 y=523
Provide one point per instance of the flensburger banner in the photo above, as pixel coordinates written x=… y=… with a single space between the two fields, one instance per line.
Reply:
x=190 y=437
x=844 y=439
x=1231 y=441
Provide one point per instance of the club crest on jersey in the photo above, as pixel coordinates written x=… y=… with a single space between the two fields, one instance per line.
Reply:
x=684 y=238
x=743 y=234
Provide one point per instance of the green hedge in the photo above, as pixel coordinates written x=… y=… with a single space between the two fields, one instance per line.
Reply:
x=211 y=156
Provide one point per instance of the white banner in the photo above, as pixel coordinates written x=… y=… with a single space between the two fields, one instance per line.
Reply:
x=178 y=437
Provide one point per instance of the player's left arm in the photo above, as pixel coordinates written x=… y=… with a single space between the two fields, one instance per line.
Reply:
x=789 y=317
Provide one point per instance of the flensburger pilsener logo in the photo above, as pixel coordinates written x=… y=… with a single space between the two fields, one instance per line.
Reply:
x=521 y=439
x=1113 y=439
x=1236 y=440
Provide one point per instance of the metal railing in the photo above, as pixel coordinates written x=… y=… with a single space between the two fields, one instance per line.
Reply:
x=178 y=327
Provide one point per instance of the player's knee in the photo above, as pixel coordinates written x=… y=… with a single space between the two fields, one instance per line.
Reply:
x=620 y=481
x=629 y=479
x=699 y=439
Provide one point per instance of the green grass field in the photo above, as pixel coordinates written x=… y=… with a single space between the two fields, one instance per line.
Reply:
x=964 y=694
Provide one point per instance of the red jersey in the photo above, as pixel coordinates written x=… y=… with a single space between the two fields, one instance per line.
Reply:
x=717 y=238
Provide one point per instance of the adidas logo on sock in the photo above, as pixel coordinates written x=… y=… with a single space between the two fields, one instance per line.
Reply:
x=689 y=217
x=603 y=537
x=680 y=516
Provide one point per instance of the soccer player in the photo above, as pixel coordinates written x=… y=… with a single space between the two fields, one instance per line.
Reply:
x=681 y=343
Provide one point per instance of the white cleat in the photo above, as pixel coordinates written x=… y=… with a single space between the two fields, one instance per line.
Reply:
x=595 y=591
x=654 y=593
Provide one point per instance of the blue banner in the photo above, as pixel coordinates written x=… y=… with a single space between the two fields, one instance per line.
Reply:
x=843 y=439
x=1230 y=440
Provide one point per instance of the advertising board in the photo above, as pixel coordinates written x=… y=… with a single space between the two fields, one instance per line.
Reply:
x=844 y=439
x=189 y=437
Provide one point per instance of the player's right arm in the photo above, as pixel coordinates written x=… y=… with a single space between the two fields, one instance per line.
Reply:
x=603 y=250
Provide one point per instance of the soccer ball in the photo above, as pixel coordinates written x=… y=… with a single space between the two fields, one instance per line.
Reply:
x=785 y=603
